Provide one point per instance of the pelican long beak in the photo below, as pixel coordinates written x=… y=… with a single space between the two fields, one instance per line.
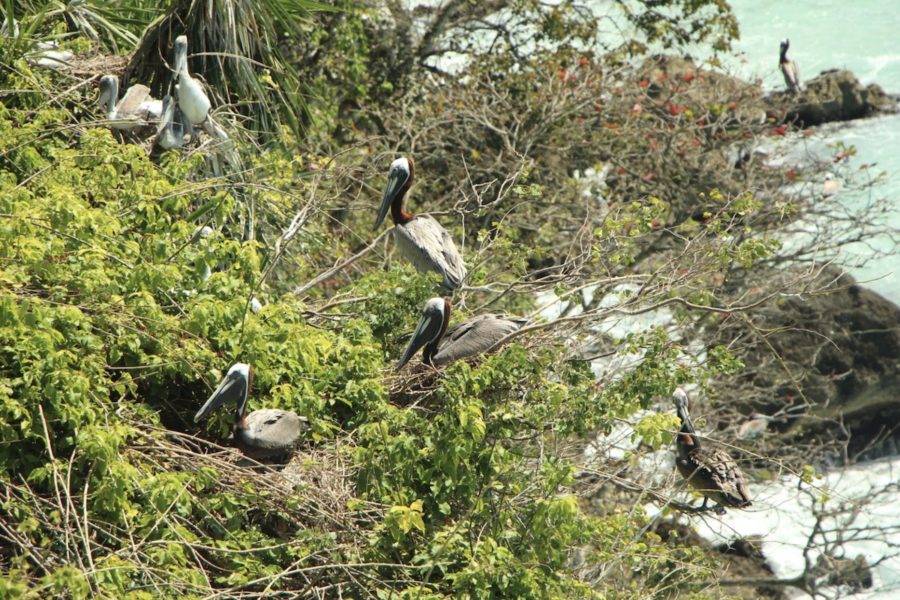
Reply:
x=233 y=387
x=168 y=114
x=427 y=330
x=394 y=185
x=180 y=55
x=108 y=93
x=681 y=407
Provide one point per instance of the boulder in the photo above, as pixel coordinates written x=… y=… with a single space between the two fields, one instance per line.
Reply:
x=835 y=95
x=832 y=356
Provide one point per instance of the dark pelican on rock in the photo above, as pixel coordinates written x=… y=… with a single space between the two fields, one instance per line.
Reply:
x=192 y=100
x=470 y=338
x=136 y=109
x=420 y=238
x=265 y=433
x=172 y=126
x=710 y=471
x=789 y=69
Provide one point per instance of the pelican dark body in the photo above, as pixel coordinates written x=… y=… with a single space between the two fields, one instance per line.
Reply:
x=710 y=471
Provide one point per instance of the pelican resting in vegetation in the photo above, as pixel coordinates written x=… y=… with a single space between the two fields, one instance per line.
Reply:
x=709 y=471
x=265 y=433
x=755 y=425
x=420 y=238
x=192 y=100
x=172 y=126
x=469 y=338
x=136 y=109
x=789 y=69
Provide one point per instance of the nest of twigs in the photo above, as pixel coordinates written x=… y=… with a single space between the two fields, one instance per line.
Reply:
x=313 y=489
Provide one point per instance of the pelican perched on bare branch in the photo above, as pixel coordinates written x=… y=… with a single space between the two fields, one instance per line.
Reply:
x=136 y=109
x=789 y=69
x=469 y=338
x=420 y=238
x=710 y=471
x=192 y=100
x=263 y=433
x=172 y=126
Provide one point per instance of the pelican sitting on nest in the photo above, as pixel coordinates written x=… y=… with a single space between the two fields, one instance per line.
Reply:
x=420 y=238
x=172 y=126
x=709 y=471
x=265 y=433
x=789 y=69
x=136 y=109
x=192 y=100
x=470 y=338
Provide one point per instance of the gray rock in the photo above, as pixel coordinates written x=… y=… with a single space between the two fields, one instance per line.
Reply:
x=835 y=95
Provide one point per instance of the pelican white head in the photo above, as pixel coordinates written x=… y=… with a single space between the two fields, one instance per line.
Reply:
x=429 y=329
x=109 y=92
x=401 y=165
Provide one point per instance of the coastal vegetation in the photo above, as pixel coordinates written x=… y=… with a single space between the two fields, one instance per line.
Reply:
x=587 y=183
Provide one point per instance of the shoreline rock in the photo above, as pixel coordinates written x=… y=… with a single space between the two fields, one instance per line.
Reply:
x=833 y=95
x=840 y=352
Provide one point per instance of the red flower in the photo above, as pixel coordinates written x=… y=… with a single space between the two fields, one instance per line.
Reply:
x=780 y=130
x=643 y=83
x=791 y=175
x=687 y=77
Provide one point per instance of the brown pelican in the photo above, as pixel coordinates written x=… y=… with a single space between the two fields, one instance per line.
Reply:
x=469 y=338
x=789 y=69
x=136 y=109
x=172 y=126
x=263 y=433
x=755 y=425
x=709 y=471
x=419 y=238
x=192 y=100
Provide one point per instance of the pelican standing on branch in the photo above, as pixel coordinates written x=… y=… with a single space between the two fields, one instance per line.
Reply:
x=470 y=338
x=192 y=100
x=789 y=69
x=420 y=238
x=709 y=471
x=265 y=433
x=136 y=109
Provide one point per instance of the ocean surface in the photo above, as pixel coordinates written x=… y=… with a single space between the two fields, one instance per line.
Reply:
x=861 y=36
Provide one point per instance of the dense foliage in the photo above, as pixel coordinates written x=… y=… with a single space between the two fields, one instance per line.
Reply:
x=119 y=314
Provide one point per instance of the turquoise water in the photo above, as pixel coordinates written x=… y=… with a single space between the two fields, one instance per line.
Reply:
x=861 y=36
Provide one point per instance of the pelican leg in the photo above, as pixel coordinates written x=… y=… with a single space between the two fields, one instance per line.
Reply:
x=705 y=502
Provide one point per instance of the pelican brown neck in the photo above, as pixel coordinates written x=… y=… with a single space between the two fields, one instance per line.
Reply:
x=398 y=214
x=431 y=347
x=784 y=48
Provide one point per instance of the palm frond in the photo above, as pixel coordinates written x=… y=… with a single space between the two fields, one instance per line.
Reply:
x=234 y=47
